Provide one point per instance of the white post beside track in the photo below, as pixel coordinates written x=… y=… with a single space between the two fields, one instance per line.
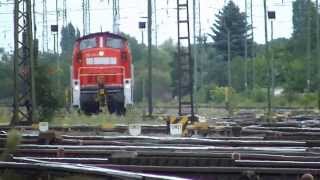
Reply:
x=176 y=129
x=134 y=129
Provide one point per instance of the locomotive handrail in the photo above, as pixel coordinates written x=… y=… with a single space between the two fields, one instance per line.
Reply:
x=101 y=74
x=113 y=67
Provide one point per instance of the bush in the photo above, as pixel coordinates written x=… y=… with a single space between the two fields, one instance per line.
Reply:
x=204 y=94
x=13 y=140
x=218 y=94
x=47 y=94
x=307 y=100
x=259 y=95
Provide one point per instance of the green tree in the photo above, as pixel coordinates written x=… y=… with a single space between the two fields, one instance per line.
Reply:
x=230 y=19
x=48 y=97
x=68 y=36
x=303 y=14
x=162 y=57
x=303 y=42
x=6 y=76
x=137 y=49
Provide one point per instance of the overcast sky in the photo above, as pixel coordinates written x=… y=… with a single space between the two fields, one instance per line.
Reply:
x=131 y=12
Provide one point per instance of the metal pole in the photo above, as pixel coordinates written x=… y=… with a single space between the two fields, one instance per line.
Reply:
x=89 y=16
x=200 y=52
x=54 y=43
x=115 y=16
x=45 y=45
x=252 y=48
x=195 y=73
x=83 y=18
x=155 y=22
x=24 y=83
x=150 y=109
x=228 y=106
x=34 y=20
x=245 y=50
x=65 y=17
x=15 y=117
x=267 y=58
x=309 y=46
x=86 y=16
x=32 y=62
x=57 y=48
x=142 y=36
x=57 y=22
x=229 y=58
x=318 y=48
x=272 y=62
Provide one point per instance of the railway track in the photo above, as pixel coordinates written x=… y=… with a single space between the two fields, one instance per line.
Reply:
x=177 y=157
x=284 y=150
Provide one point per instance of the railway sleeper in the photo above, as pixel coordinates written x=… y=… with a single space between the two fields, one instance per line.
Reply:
x=173 y=161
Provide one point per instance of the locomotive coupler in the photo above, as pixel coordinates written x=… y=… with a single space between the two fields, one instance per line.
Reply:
x=102 y=93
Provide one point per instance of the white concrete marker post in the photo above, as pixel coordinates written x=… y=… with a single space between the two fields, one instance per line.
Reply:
x=43 y=126
x=134 y=129
x=176 y=129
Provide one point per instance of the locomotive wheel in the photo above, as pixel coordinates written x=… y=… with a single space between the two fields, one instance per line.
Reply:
x=116 y=107
x=90 y=107
x=116 y=104
x=121 y=110
x=111 y=107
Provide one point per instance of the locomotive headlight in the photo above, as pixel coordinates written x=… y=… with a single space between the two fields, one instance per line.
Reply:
x=77 y=87
x=127 y=84
x=101 y=53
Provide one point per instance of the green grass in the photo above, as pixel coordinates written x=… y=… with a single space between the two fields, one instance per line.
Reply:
x=74 y=118
x=5 y=115
x=13 y=140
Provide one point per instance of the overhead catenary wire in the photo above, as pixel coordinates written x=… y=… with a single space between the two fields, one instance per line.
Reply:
x=162 y=10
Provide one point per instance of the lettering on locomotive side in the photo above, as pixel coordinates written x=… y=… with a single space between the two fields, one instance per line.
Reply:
x=101 y=61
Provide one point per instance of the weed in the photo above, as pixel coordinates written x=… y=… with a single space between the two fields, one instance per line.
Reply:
x=13 y=140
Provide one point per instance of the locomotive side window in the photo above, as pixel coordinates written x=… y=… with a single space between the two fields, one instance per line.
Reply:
x=88 y=43
x=114 y=43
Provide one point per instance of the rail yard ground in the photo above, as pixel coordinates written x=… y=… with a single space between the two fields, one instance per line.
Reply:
x=242 y=146
x=201 y=60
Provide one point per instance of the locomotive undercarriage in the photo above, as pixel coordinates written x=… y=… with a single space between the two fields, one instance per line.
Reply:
x=93 y=100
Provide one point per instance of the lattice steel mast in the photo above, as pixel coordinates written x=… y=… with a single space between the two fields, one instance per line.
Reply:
x=185 y=62
x=24 y=110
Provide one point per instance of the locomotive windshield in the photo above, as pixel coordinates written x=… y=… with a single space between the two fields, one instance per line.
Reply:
x=88 y=43
x=114 y=43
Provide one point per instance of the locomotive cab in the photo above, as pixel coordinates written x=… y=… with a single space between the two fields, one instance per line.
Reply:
x=101 y=73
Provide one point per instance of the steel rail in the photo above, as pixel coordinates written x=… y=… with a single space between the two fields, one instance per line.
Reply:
x=64 y=168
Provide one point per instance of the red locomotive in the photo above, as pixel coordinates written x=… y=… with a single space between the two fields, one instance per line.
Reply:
x=102 y=73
